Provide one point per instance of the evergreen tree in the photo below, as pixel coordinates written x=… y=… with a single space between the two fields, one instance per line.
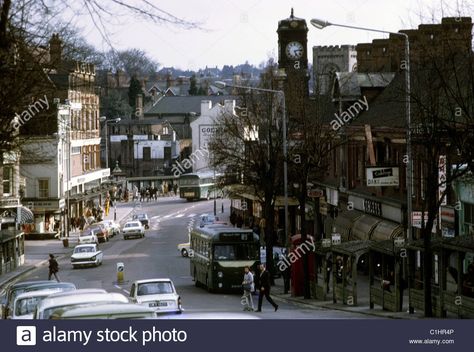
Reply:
x=193 y=90
x=134 y=89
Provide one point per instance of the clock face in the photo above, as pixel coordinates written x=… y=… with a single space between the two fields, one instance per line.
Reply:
x=294 y=50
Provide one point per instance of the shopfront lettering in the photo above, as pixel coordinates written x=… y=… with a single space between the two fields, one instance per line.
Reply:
x=372 y=207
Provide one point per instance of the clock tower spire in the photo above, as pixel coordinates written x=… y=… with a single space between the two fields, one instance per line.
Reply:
x=293 y=59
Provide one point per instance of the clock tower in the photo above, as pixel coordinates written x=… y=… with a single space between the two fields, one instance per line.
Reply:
x=293 y=59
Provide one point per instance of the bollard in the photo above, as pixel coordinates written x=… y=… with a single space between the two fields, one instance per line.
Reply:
x=120 y=269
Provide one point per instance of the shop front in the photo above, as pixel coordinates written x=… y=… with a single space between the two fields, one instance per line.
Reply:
x=48 y=218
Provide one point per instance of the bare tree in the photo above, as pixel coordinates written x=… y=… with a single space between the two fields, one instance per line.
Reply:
x=443 y=132
x=249 y=146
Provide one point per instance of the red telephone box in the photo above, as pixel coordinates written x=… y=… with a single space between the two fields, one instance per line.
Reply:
x=298 y=249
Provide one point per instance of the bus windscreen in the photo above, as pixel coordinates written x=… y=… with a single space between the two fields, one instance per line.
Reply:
x=235 y=251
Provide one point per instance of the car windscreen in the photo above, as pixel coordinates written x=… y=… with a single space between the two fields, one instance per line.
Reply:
x=27 y=305
x=154 y=288
x=132 y=224
x=89 y=249
x=240 y=251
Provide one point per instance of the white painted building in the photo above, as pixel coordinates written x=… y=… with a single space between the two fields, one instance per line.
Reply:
x=203 y=128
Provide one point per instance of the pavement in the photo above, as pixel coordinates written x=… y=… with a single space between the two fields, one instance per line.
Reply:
x=37 y=251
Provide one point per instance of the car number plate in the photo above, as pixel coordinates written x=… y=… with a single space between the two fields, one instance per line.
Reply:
x=189 y=194
x=158 y=304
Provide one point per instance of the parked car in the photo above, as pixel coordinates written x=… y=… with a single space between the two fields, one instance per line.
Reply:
x=184 y=249
x=143 y=218
x=105 y=311
x=89 y=235
x=102 y=234
x=27 y=286
x=133 y=229
x=86 y=254
x=25 y=303
x=159 y=294
x=78 y=298
x=112 y=226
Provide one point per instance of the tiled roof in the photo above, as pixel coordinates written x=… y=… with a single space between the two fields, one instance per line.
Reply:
x=182 y=105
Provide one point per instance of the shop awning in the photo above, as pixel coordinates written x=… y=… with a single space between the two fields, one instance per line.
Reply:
x=363 y=227
x=344 y=223
x=386 y=230
x=26 y=215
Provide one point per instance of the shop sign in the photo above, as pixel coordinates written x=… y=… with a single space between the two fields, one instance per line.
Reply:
x=326 y=242
x=372 y=207
x=336 y=239
x=442 y=178
x=9 y=202
x=315 y=193
x=416 y=220
x=382 y=176
x=399 y=242
x=323 y=206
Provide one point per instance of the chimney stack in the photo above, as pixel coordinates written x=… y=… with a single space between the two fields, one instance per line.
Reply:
x=55 y=50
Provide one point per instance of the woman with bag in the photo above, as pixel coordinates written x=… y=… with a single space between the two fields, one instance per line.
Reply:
x=53 y=268
x=248 y=286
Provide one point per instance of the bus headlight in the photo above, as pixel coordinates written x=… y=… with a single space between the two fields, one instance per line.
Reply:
x=220 y=274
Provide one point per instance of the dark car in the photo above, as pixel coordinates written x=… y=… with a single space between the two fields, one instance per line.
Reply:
x=102 y=234
x=143 y=218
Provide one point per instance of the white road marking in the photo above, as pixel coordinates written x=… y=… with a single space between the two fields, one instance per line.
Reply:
x=179 y=216
x=191 y=215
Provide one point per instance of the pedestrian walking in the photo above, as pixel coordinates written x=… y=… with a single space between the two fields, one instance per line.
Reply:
x=53 y=268
x=265 y=289
x=248 y=286
x=286 y=274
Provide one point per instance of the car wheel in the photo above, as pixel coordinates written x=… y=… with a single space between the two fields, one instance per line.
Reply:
x=125 y=238
x=184 y=252
x=147 y=227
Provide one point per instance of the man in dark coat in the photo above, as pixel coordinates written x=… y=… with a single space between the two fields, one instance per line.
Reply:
x=53 y=268
x=265 y=289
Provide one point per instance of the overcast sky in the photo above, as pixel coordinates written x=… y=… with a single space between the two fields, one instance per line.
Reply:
x=245 y=30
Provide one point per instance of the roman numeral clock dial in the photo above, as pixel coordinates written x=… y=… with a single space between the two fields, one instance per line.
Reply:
x=294 y=50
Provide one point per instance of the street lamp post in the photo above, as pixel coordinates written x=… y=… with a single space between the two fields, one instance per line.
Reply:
x=320 y=24
x=281 y=94
x=104 y=119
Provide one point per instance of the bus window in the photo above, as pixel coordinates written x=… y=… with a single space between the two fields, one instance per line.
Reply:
x=235 y=252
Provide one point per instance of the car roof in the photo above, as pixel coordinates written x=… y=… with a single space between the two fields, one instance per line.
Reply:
x=133 y=221
x=85 y=245
x=39 y=293
x=52 y=284
x=27 y=283
x=58 y=299
x=152 y=280
x=103 y=309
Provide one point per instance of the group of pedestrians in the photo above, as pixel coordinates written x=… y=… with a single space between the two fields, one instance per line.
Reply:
x=248 y=285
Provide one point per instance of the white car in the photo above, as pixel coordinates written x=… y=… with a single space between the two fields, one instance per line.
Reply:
x=105 y=311
x=25 y=304
x=184 y=249
x=111 y=226
x=77 y=298
x=133 y=229
x=86 y=254
x=159 y=294
x=89 y=235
